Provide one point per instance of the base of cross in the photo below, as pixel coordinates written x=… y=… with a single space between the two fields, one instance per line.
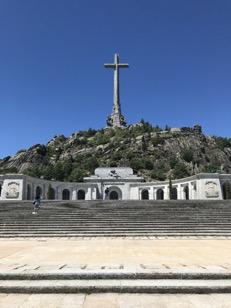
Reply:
x=116 y=120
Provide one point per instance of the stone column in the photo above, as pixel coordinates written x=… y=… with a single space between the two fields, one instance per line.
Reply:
x=74 y=194
x=166 y=192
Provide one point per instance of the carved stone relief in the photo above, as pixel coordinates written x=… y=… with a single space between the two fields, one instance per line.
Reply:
x=12 y=190
x=211 y=189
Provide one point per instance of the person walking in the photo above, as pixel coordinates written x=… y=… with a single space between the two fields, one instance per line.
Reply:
x=106 y=193
x=36 y=203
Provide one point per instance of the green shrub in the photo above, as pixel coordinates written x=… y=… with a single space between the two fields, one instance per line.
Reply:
x=41 y=150
x=157 y=141
x=180 y=171
x=223 y=143
x=187 y=155
x=173 y=160
x=158 y=175
x=8 y=170
x=137 y=164
x=148 y=164
x=77 y=175
x=211 y=168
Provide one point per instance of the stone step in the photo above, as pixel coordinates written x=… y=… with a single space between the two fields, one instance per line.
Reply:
x=72 y=274
x=80 y=236
x=150 y=218
x=173 y=286
x=35 y=219
x=153 y=228
x=120 y=225
x=119 y=212
x=40 y=217
x=118 y=215
x=115 y=234
x=116 y=229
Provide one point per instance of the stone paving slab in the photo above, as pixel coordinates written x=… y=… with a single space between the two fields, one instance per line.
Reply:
x=111 y=300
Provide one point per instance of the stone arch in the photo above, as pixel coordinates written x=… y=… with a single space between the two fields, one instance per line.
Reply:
x=160 y=194
x=186 y=192
x=28 y=192
x=38 y=191
x=226 y=190
x=66 y=194
x=114 y=193
x=174 y=195
x=145 y=194
x=81 y=195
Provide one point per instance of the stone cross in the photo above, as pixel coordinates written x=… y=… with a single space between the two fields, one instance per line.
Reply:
x=116 y=118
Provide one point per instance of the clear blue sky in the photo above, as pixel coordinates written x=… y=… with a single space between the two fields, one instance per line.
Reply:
x=52 y=79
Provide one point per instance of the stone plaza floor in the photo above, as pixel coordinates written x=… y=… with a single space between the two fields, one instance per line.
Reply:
x=114 y=254
x=114 y=301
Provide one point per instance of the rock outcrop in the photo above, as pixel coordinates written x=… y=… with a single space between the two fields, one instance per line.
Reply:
x=150 y=151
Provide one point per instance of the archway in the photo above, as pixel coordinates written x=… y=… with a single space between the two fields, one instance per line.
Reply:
x=160 y=194
x=174 y=193
x=28 y=195
x=66 y=194
x=226 y=190
x=0 y=189
x=81 y=194
x=113 y=195
x=145 y=194
x=38 y=191
x=186 y=193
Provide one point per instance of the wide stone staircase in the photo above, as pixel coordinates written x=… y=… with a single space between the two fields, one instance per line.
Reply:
x=116 y=218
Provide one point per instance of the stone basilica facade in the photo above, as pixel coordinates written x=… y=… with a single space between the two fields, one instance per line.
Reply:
x=117 y=183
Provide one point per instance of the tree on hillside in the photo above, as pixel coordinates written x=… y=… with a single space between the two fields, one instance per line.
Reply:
x=50 y=193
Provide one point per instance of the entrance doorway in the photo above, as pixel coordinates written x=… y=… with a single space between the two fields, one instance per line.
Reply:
x=174 y=193
x=145 y=194
x=226 y=189
x=81 y=194
x=113 y=195
x=186 y=193
x=160 y=194
x=38 y=191
x=28 y=192
x=66 y=194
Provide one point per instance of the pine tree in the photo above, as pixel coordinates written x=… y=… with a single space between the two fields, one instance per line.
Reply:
x=50 y=192
x=170 y=187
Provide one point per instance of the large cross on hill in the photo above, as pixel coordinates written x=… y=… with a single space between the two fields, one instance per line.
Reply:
x=116 y=118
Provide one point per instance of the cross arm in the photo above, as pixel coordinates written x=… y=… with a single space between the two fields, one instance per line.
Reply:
x=123 y=65
x=108 y=65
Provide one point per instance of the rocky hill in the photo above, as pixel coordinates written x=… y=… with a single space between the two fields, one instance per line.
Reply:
x=152 y=152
